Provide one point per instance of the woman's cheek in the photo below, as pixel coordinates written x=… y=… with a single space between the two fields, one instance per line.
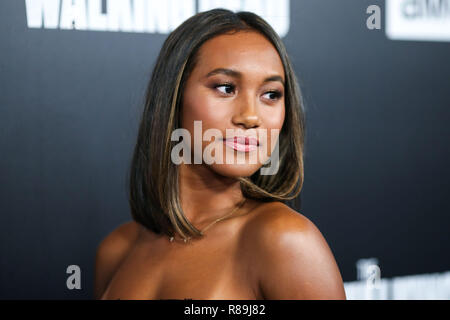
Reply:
x=274 y=119
x=274 y=123
x=213 y=113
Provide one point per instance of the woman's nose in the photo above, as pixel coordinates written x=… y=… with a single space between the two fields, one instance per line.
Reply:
x=246 y=114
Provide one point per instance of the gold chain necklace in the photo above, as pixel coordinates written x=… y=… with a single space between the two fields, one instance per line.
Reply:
x=228 y=215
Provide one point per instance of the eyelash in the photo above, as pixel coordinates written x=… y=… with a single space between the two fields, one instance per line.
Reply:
x=277 y=93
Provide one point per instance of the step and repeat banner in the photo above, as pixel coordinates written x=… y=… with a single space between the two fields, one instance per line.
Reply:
x=375 y=81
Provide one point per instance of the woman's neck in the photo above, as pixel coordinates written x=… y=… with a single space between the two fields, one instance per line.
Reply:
x=206 y=195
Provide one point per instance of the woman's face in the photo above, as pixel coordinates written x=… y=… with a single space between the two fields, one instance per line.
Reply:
x=238 y=84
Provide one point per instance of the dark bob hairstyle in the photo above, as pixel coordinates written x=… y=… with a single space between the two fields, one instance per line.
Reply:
x=153 y=178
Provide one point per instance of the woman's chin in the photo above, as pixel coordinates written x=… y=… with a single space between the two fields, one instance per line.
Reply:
x=235 y=170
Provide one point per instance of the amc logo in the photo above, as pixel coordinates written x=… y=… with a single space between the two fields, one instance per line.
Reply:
x=423 y=20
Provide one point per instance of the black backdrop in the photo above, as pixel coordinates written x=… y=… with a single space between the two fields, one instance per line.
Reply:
x=376 y=170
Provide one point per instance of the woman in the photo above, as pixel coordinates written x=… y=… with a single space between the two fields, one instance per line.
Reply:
x=218 y=230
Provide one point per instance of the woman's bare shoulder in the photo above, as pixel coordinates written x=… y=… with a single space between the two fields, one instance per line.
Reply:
x=111 y=251
x=296 y=261
x=124 y=233
x=276 y=217
x=115 y=245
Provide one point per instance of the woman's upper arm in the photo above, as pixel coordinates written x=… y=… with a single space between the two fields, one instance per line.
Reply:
x=110 y=253
x=297 y=262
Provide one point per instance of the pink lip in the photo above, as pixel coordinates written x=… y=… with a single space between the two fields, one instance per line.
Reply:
x=241 y=143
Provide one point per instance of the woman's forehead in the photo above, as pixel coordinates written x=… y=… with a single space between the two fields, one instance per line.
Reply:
x=240 y=50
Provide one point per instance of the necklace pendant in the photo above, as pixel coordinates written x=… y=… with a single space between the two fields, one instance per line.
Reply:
x=171 y=239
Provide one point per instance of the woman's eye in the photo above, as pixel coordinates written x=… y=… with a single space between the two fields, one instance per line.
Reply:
x=274 y=95
x=227 y=88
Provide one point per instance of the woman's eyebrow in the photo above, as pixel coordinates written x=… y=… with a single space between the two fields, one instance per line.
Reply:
x=237 y=74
